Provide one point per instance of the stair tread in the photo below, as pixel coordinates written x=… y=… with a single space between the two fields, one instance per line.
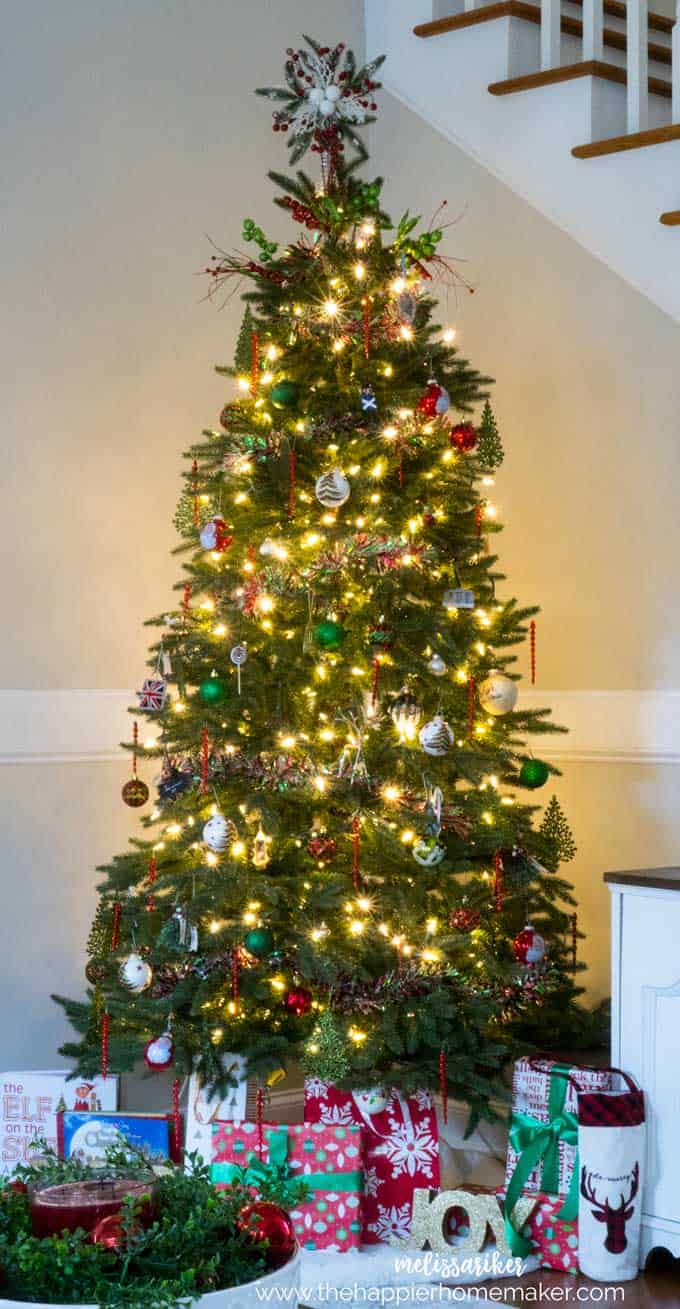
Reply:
x=519 y=8
x=671 y=218
x=569 y=72
x=532 y=14
x=632 y=141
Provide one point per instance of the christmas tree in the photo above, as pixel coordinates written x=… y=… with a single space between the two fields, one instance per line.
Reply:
x=341 y=865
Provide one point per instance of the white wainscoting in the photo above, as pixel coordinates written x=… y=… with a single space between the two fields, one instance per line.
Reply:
x=609 y=726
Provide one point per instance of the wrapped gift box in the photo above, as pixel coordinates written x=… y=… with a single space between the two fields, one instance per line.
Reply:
x=329 y=1159
x=552 y=1239
x=540 y=1097
x=401 y=1150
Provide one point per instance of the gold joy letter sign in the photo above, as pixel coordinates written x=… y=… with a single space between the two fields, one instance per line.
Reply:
x=483 y=1210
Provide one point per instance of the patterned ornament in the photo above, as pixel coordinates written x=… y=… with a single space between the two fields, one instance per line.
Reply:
x=332 y=489
x=435 y=400
x=212 y=690
x=329 y=634
x=371 y=1101
x=264 y=1221
x=153 y=694
x=382 y=636
x=215 y=536
x=95 y=971
x=135 y=974
x=464 y=437
x=428 y=852
x=533 y=773
x=160 y=1052
x=497 y=694
x=174 y=781
x=529 y=946
x=406 y=713
x=464 y=919
x=135 y=792
x=259 y=941
x=298 y=1001
x=323 y=847
x=436 y=737
x=284 y=394
x=436 y=665
x=219 y=833
x=458 y=597
x=369 y=404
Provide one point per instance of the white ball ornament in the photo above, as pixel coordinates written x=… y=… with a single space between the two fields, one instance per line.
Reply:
x=497 y=694
x=333 y=92
x=135 y=973
x=437 y=666
x=436 y=737
x=372 y=1101
x=219 y=833
x=327 y=107
x=160 y=1052
x=332 y=489
x=428 y=853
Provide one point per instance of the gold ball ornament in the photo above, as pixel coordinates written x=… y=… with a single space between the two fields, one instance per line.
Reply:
x=498 y=694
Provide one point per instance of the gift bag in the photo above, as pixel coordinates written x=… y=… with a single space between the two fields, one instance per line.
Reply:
x=611 y=1147
x=401 y=1149
x=328 y=1159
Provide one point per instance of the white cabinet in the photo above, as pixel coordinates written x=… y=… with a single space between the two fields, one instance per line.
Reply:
x=646 y=1031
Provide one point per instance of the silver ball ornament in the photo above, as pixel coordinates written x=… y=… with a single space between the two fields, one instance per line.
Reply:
x=219 y=833
x=332 y=489
x=498 y=694
x=436 y=737
x=437 y=666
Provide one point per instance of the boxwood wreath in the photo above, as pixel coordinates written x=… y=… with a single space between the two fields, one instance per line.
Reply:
x=193 y=1247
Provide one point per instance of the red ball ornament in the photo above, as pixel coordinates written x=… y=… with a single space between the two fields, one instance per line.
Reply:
x=135 y=792
x=298 y=1001
x=464 y=437
x=464 y=920
x=323 y=847
x=529 y=946
x=264 y=1221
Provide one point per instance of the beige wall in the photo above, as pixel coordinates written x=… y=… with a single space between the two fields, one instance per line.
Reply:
x=128 y=132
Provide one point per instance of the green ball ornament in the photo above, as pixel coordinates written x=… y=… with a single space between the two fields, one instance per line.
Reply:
x=212 y=691
x=533 y=773
x=284 y=394
x=329 y=634
x=259 y=941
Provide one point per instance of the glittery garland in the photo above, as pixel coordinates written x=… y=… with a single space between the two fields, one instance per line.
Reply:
x=498 y=881
x=115 y=931
x=204 y=760
x=442 y=1085
x=255 y=363
x=532 y=646
x=472 y=688
x=153 y=867
x=355 y=853
x=194 y=488
x=105 y=1045
x=176 y=1117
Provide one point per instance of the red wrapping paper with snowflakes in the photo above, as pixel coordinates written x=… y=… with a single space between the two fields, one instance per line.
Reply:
x=401 y=1147
x=329 y=1159
x=553 y=1240
x=531 y=1099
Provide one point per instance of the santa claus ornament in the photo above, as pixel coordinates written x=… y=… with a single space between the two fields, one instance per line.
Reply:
x=529 y=946
x=159 y=1053
x=214 y=536
x=435 y=400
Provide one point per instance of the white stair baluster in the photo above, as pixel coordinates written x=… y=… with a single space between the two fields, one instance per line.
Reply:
x=470 y=4
x=637 y=65
x=550 y=33
x=592 y=29
x=676 y=65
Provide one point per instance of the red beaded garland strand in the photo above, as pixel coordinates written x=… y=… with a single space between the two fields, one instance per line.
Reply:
x=204 y=760
x=478 y=519
x=194 y=484
x=115 y=932
x=259 y=1113
x=255 y=363
x=235 y=961
x=367 y=325
x=574 y=937
x=355 y=853
x=532 y=646
x=498 y=881
x=292 y=469
x=442 y=1085
x=472 y=687
x=105 y=1045
x=376 y=678
x=152 y=877
x=135 y=743
x=176 y=1117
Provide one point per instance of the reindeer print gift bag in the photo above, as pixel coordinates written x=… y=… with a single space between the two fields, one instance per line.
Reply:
x=611 y=1151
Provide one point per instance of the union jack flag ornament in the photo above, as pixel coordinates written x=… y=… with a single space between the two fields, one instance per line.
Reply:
x=153 y=694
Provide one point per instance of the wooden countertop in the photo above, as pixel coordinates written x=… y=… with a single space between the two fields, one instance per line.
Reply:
x=667 y=879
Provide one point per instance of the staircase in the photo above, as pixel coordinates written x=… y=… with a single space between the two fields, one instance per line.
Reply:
x=574 y=104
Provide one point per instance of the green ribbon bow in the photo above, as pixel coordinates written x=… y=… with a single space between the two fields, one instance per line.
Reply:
x=534 y=1141
x=277 y=1171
